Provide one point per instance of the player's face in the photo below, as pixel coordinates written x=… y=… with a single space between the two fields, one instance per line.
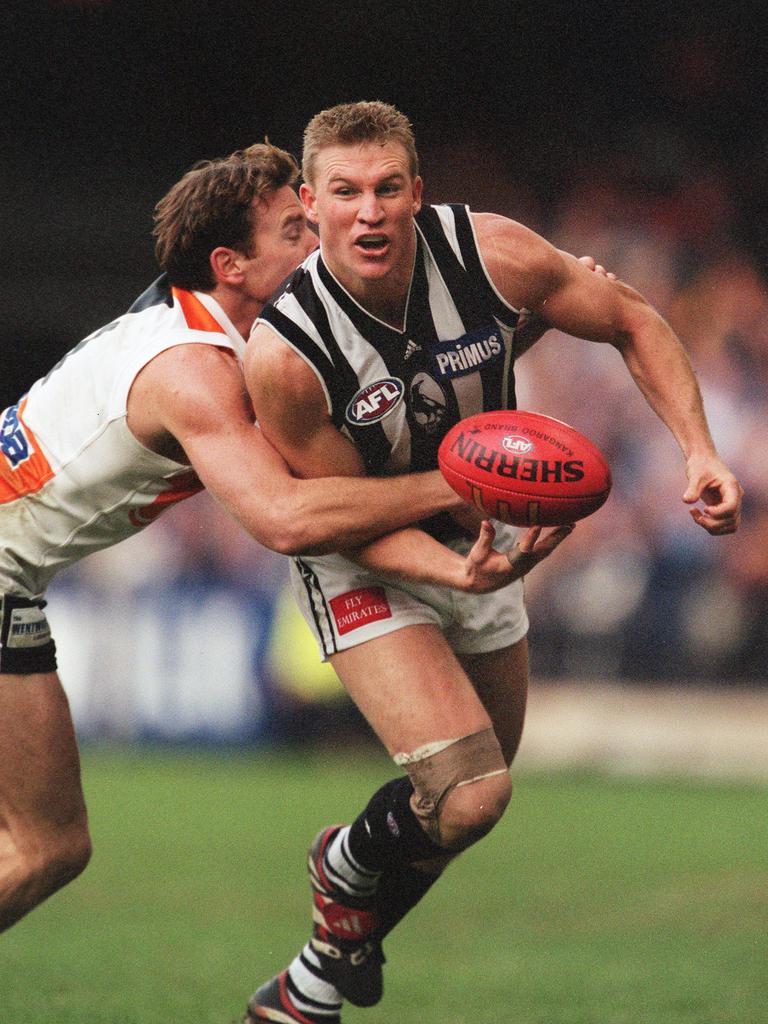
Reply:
x=281 y=239
x=363 y=199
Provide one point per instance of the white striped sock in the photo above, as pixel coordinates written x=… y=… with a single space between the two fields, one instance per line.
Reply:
x=344 y=871
x=313 y=988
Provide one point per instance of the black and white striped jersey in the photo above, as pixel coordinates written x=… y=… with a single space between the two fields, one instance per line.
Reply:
x=396 y=393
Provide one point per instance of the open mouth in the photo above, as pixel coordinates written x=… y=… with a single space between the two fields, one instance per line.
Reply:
x=373 y=244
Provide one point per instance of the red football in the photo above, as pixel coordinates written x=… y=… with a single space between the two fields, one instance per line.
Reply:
x=524 y=468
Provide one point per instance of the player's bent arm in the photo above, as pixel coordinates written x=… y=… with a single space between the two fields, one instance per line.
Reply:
x=531 y=327
x=661 y=369
x=196 y=393
x=412 y=555
x=292 y=411
x=530 y=272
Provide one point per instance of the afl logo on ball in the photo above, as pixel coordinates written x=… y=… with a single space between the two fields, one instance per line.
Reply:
x=375 y=401
x=517 y=445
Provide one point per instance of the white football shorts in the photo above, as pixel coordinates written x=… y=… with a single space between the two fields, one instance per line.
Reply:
x=345 y=604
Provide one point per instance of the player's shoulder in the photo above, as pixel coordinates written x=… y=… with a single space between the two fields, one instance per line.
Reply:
x=511 y=239
x=189 y=388
x=271 y=365
x=521 y=262
x=298 y=282
x=194 y=357
x=196 y=374
x=288 y=313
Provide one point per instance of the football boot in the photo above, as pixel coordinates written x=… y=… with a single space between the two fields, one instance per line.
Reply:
x=343 y=932
x=273 y=1004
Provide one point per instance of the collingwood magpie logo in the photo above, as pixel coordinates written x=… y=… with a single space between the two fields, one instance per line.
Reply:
x=428 y=403
x=410 y=348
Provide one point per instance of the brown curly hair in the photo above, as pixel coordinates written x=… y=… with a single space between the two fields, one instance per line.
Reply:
x=212 y=205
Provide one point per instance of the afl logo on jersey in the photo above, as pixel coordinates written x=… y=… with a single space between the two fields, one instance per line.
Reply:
x=375 y=401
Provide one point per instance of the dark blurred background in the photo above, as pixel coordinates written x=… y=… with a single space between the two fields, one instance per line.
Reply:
x=107 y=103
x=635 y=133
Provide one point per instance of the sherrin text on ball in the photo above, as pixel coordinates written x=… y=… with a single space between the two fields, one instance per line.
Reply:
x=525 y=468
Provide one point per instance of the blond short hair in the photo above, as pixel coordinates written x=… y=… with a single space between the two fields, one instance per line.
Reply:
x=212 y=205
x=349 y=123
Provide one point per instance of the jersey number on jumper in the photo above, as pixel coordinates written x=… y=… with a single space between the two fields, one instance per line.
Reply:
x=14 y=443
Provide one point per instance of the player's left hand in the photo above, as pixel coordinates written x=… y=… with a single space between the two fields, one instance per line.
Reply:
x=532 y=548
x=710 y=481
x=486 y=569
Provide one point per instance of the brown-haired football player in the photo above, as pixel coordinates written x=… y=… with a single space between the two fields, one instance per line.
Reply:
x=144 y=412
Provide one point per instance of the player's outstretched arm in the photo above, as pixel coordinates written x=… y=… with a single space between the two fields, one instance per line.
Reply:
x=413 y=555
x=531 y=273
x=196 y=393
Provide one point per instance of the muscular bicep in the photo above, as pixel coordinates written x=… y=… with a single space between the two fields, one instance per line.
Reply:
x=292 y=410
x=196 y=396
x=589 y=306
x=531 y=273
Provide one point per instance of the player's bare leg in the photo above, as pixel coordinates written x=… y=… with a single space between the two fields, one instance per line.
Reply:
x=44 y=840
x=418 y=699
x=500 y=679
x=423 y=696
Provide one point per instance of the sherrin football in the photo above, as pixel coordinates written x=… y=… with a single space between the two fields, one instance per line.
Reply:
x=524 y=468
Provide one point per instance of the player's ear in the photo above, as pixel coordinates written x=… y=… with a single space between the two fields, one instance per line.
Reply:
x=417 y=188
x=226 y=266
x=309 y=199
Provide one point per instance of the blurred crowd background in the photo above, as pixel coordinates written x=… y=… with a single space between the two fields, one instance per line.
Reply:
x=638 y=137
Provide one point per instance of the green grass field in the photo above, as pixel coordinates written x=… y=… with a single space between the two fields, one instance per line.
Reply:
x=597 y=901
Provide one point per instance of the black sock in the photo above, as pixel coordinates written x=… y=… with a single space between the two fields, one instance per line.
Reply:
x=388 y=835
x=400 y=889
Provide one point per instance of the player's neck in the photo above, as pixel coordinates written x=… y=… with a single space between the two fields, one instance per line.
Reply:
x=383 y=303
x=385 y=298
x=242 y=310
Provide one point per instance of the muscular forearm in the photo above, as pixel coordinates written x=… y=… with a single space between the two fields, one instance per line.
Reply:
x=413 y=556
x=345 y=512
x=661 y=369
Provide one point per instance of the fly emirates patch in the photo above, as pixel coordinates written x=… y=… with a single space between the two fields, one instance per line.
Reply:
x=375 y=401
x=468 y=354
x=359 y=607
x=520 y=466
